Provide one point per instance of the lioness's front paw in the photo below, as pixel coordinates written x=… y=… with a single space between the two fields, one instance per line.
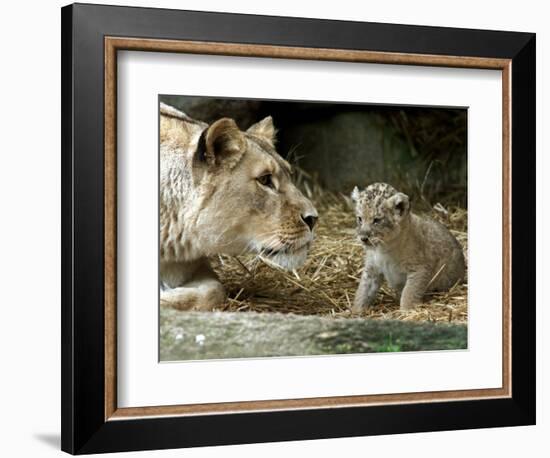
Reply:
x=203 y=296
x=213 y=296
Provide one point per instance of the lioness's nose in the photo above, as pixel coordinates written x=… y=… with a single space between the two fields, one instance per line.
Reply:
x=310 y=220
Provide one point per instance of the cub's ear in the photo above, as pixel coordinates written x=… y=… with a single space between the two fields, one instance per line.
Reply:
x=355 y=194
x=264 y=129
x=222 y=144
x=400 y=203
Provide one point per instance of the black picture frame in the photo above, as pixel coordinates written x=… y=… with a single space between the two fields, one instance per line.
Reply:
x=84 y=428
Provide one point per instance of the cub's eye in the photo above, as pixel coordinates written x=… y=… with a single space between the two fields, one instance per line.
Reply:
x=359 y=220
x=376 y=220
x=266 y=180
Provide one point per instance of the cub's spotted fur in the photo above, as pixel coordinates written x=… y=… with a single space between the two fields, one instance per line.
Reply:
x=413 y=253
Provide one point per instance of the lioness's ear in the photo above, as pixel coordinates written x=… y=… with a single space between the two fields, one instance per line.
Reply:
x=400 y=203
x=355 y=194
x=264 y=129
x=224 y=143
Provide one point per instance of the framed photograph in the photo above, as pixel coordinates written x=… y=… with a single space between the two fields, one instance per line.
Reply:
x=282 y=228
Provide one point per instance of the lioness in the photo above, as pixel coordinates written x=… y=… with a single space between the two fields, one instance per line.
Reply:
x=223 y=191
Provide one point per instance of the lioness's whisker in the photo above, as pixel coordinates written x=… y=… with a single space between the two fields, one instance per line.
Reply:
x=242 y=265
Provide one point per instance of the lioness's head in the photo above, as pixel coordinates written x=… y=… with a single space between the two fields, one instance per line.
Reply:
x=248 y=202
x=381 y=213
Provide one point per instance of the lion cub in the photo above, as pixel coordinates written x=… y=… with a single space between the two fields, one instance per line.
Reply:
x=415 y=254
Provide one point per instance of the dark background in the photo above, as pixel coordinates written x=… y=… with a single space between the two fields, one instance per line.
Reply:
x=419 y=150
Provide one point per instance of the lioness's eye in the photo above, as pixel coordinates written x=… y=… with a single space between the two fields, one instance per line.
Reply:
x=376 y=220
x=266 y=180
x=359 y=219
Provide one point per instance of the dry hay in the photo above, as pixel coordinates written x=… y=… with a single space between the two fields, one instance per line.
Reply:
x=326 y=284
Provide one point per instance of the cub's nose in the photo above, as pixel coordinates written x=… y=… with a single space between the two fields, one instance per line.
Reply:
x=365 y=239
x=310 y=220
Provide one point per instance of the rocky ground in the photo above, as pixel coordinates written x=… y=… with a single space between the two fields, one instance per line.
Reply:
x=218 y=335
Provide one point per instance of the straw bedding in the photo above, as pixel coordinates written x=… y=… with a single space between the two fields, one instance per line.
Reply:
x=326 y=284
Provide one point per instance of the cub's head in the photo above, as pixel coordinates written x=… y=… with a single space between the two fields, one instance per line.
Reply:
x=248 y=202
x=381 y=213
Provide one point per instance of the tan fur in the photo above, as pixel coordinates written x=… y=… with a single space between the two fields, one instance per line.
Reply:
x=413 y=254
x=212 y=202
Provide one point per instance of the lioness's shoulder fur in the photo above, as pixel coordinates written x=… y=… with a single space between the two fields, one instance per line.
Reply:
x=178 y=131
x=171 y=112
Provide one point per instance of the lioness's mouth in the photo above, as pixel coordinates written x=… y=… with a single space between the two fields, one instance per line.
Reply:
x=285 y=249
x=288 y=257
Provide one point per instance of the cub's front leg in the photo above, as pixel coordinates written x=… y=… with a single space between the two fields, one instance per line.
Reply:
x=191 y=286
x=369 y=285
x=414 y=290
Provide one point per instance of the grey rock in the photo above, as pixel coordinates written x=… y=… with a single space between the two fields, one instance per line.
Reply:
x=219 y=335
